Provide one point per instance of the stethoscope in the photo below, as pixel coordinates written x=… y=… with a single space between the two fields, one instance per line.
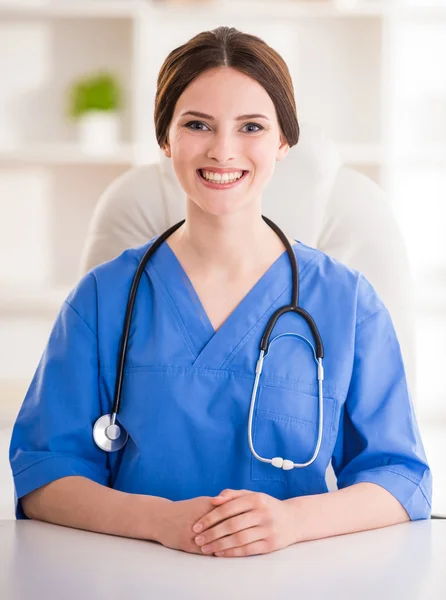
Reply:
x=111 y=437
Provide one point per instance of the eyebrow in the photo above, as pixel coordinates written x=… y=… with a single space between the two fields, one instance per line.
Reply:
x=195 y=113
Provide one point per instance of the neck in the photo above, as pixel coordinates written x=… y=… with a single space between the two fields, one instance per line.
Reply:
x=232 y=244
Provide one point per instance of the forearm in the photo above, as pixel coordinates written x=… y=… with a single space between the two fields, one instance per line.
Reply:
x=356 y=508
x=84 y=504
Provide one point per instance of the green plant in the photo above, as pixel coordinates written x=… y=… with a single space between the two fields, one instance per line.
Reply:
x=100 y=91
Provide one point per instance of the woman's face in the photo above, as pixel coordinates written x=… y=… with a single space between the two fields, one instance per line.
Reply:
x=224 y=141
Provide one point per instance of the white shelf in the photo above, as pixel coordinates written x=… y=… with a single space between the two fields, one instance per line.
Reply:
x=70 y=9
x=291 y=9
x=32 y=301
x=53 y=154
x=62 y=154
x=266 y=9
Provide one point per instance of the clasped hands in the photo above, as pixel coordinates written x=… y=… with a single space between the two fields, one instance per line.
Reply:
x=245 y=523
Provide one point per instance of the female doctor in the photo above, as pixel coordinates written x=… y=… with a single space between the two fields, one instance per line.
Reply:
x=222 y=439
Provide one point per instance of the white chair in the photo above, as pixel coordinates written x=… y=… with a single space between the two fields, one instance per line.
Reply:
x=311 y=196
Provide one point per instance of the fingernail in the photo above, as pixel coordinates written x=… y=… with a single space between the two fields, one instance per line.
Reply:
x=198 y=528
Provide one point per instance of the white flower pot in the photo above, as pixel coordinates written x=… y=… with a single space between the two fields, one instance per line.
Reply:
x=99 y=132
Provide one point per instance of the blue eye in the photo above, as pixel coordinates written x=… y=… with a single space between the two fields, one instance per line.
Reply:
x=259 y=127
x=189 y=126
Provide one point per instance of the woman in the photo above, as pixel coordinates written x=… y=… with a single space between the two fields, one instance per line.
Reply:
x=224 y=104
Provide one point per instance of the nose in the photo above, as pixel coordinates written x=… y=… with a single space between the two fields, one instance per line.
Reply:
x=222 y=148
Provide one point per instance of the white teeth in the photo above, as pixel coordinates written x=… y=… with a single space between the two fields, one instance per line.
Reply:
x=225 y=178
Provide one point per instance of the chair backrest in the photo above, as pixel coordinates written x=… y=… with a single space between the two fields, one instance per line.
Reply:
x=311 y=196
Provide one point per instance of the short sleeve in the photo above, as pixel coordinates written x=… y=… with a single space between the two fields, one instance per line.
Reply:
x=52 y=436
x=379 y=440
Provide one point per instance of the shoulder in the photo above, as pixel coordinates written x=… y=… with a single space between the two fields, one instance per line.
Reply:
x=121 y=269
x=339 y=283
x=106 y=285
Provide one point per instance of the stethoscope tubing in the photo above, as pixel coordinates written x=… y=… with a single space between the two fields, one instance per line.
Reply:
x=110 y=436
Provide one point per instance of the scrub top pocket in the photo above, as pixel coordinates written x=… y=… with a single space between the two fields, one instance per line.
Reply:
x=285 y=423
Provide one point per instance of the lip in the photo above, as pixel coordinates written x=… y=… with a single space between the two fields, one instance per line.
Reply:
x=220 y=186
x=222 y=171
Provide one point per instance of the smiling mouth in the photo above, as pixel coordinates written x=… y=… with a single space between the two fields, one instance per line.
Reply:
x=219 y=182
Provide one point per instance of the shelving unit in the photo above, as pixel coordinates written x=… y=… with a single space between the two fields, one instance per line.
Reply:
x=343 y=62
x=20 y=300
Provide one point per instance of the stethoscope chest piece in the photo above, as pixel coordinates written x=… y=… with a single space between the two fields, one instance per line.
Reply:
x=108 y=435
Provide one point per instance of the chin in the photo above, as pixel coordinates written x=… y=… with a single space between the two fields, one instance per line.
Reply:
x=220 y=209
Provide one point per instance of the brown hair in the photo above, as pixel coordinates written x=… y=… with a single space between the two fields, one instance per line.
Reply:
x=225 y=47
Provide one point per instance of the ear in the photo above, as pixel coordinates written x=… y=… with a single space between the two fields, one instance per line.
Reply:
x=283 y=149
x=166 y=150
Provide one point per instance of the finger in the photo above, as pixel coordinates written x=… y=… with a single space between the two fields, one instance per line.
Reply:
x=229 y=527
x=223 y=497
x=226 y=495
x=258 y=547
x=236 y=540
x=224 y=511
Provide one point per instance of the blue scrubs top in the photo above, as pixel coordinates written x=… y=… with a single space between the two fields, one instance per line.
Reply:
x=187 y=388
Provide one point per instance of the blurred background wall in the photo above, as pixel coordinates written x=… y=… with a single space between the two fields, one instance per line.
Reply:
x=370 y=74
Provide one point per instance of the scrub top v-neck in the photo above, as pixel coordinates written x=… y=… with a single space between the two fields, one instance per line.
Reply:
x=210 y=348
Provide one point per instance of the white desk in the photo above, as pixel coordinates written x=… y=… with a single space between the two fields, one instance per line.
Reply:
x=40 y=560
